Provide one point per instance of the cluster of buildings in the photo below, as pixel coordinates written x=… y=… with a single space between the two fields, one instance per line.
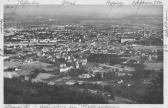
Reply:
x=72 y=46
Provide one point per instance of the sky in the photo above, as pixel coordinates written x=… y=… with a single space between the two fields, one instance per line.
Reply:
x=97 y=11
x=86 y=10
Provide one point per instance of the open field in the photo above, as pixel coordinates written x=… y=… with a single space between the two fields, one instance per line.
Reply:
x=153 y=66
x=26 y=65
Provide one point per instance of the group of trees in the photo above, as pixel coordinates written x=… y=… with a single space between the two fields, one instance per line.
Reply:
x=106 y=88
x=144 y=94
x=22 y=92
x=104 y=58
x=154 y=92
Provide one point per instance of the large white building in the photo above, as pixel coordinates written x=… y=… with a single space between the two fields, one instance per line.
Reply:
x=66 y=69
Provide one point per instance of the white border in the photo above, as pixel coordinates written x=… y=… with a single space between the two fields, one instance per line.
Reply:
x=165 y=105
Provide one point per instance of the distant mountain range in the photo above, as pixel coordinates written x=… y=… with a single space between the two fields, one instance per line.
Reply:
x=82 y=13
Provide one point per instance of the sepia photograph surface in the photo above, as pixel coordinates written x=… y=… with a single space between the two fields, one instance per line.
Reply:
x=71 y=53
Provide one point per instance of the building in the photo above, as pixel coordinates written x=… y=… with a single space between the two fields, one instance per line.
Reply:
x=127 y=39
x=65 y=69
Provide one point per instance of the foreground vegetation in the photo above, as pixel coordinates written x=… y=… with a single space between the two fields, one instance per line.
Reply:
x=22 y=92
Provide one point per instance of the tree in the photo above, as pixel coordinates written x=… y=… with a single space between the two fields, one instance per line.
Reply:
x=154 y=93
